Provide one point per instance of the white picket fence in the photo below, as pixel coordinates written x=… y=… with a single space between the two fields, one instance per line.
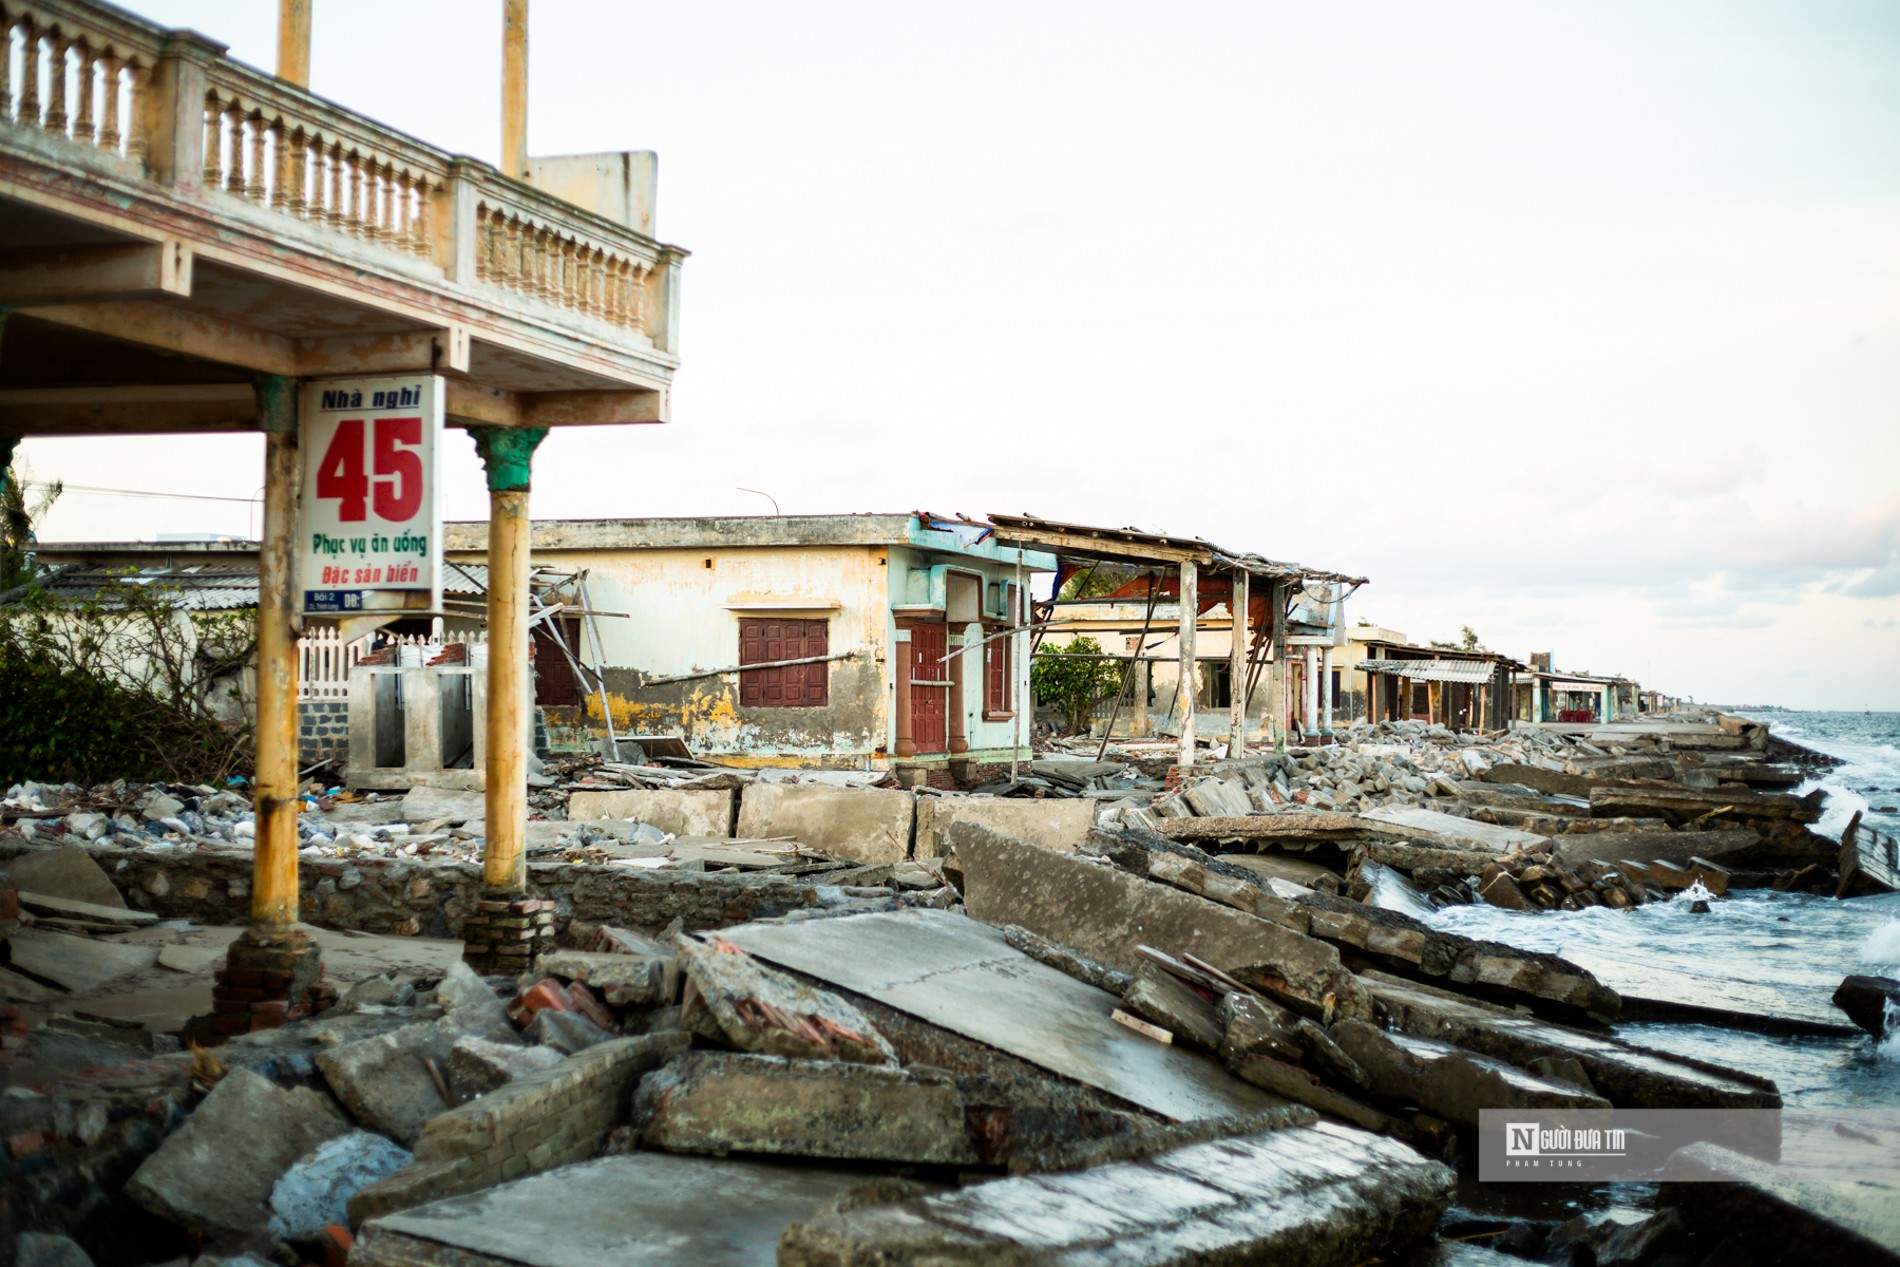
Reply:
x=324 y=660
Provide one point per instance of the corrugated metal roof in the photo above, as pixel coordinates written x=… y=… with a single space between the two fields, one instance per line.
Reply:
x=196 y=587
x=1433 y=670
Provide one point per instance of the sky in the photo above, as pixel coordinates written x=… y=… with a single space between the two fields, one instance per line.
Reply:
x=1574 y=322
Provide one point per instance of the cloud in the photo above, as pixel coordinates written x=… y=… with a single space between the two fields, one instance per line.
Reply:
x=1879 y=583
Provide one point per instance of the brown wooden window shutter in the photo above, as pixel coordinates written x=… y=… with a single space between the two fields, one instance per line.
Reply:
x=768 y=639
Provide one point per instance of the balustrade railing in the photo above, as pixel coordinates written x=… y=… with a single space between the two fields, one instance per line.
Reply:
x=170 y=108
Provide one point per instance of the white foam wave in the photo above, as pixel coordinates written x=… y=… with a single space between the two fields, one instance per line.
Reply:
x=1882 y=947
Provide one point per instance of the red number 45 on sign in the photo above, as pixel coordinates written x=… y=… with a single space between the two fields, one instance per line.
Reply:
x=397 y=492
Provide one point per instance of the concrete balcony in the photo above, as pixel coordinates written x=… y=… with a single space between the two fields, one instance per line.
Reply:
x=174 y=223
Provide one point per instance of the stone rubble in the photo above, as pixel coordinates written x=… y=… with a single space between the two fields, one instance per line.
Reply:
x=415 y=1090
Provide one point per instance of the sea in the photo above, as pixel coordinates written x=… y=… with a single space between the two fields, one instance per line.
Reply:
x=1790 y=946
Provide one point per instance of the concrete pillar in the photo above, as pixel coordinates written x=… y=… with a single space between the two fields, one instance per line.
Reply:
x=508 y=455
x=274 y=781
x=1326 y=692
x=1237 y=668
x=1606 y=711
x=1184 y=688
x=1310 y=695
x=900 y=675
x=293 y=42
x=514 y=88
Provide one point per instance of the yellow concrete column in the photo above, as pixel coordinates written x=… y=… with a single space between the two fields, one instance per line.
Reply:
x=507 y=455
x=1186 y=687
x=274 y=782
x=514 y=88
x=293 y=41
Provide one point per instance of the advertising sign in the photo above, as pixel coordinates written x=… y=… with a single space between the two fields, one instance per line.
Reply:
x=369 y=523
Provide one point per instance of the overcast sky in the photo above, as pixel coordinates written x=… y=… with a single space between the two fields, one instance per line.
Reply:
x=1576 y=322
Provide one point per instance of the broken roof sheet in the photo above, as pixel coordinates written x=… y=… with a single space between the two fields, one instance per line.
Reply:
x=1434 y=670
x=1131 y=545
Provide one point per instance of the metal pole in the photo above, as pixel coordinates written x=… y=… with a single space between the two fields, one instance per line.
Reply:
x=293 y=42
x=1019 y=664
x=514 y=88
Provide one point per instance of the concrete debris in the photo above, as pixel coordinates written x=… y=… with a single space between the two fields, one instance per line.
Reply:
x=720 y=1102
x=318 y=1186
x=1447 y=1081
x=1107 y=914
x=393 y=1083
x=68 y=872
x=216 y=1172
x=1063 y=959
x=1621 y=1236
x=477 y=1066
x=763 y=1010
x=1301 y=1196
x=1253 y=1026
x=1175 y=1006
x=567 y=1032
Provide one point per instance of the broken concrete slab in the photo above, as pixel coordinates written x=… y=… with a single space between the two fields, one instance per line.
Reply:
x=537 y=1122
x=637 y=1210
x=760 y=1009
x=68 y=872
x=477 y=1066
x=856 y=824
x=1448 y=1081
x=1626 y=1075
x=1783 y=1215
x=216 y=1172
x=1107 y=914
x=87 y=914
x=1283 y=1078
x=623 y=980
x=318 y=1186
x=77 y=963
x=1439 y=828
x=388 y=1083
x=1548 y=983
x=424 y=804
x=1060 y=957
x=720 y=1102
x=1318 y=1194
x=1054 y=823
x=1217 y=798
x=677 y=811
x=1253 y=1026
x=954 y=972
x=1662 y=845
x=1300 y=871
x=1663 y=985
x=1162 y=1000
x=566 y=1032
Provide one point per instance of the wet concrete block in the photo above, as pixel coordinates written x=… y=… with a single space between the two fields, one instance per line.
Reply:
x=1780 y=1217
x=1253 y=1026
x=1447 y=1081
x=1176 y=1007
x=1107 y=914
x=1318 y=1194
x=1869 y=1001
x=679 y=811
x=216 y=1171
x=1053 y=823
x=720 y=1102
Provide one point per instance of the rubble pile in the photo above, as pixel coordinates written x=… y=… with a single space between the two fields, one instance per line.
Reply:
x=1180 y=1034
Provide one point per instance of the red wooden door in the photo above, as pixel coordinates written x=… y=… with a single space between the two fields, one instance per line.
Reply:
x=929 y=688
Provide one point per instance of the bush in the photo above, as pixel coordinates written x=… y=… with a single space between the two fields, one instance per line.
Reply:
x=1064 y=678
x=123 y=685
